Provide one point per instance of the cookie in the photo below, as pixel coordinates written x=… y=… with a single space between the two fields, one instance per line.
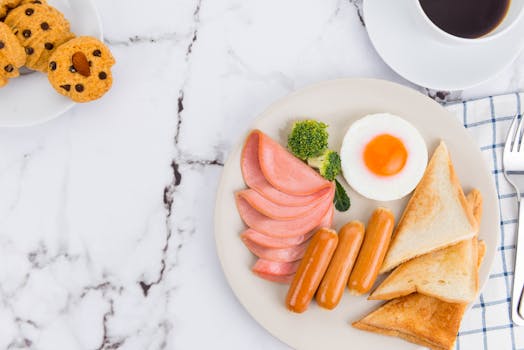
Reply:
x=81 y=69
x=8 y=5
x=40 y=28
x=12 y=55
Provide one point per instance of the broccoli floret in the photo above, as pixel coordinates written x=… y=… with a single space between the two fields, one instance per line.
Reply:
x=308 y=138
x=328 y=164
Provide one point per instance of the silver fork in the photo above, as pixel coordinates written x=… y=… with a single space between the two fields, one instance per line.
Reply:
x=513 y=162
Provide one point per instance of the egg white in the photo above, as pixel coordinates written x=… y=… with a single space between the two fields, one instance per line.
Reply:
x=368 y=184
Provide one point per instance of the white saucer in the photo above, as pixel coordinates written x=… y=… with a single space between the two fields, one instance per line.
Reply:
x=409 y=49
x=30 y=99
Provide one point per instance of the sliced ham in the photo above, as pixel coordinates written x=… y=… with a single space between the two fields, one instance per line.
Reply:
x=327 y=221
x=274 y=242
x=282 y=272
x=287 y=254
x=280 y=242
x=286 y=279
x=286 y=203
x=278 y=211
x=284 y=171
x=278 y=228
x=254 y=177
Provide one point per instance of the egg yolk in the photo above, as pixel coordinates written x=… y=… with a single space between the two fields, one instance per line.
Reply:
x=385 y=155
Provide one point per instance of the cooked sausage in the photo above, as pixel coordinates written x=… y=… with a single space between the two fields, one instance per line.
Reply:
x=334 y=282
x=311 y=270
x=373 y=251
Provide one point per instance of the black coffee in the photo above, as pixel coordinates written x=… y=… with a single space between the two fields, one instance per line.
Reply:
x=466 y=18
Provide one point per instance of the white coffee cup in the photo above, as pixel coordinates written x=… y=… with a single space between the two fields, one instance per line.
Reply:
x=513 y=16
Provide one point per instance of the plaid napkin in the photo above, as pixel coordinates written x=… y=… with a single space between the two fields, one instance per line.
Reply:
x=488 y=324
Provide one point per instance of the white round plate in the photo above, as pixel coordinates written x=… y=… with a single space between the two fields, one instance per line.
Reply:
x=30 y=99
x=403 y=42
x=339 y=103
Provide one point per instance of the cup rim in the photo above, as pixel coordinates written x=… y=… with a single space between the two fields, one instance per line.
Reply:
x=486 y=37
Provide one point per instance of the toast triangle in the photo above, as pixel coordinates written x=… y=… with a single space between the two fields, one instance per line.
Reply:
x=436 y=216
x=419 y=318
x=449 y=274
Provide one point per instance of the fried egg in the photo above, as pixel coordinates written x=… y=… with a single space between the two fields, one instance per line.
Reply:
x=383 y=157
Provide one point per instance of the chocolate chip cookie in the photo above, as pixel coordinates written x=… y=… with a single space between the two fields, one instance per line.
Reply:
x=12 y=55
x=8 y=5
x=40 y=28
x=81 y=69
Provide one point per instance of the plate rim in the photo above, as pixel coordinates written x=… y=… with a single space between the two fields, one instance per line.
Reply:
x=275 y=105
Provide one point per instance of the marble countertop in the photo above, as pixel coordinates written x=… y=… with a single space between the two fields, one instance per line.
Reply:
x=106 y=235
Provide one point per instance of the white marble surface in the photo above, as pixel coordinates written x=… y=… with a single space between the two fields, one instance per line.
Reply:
x=106 y=236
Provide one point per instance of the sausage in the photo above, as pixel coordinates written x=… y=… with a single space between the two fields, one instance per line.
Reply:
x=334 y=282
x=373 y=251
x=311 y=270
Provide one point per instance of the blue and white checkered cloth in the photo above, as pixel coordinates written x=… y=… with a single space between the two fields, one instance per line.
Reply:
x=488 y=324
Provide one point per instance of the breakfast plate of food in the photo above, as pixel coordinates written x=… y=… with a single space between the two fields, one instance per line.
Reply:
x=357 y=213
x=51 y=57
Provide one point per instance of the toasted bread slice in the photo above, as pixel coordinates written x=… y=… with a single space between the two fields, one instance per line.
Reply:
x=481 y=252
x=420 y=319
x=417 y=318
x=436 y=216
x=449 y=274
x=474 y=200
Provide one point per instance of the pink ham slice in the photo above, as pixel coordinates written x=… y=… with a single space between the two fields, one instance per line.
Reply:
x=327 y=221
x=279 y=242
x=282 y=272
x=266 y=241
x=284 y=171
x=286 y=279
x=278 y=228
x=255 y=178
x=288 y=254
x=277 y=211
